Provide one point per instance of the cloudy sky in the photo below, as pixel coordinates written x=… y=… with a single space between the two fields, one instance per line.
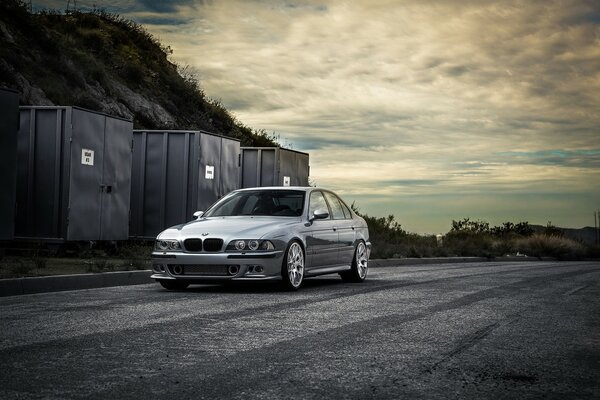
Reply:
x=428 y=110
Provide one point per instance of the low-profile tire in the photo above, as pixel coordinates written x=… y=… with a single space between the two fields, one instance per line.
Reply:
x=173 y=285
x=360 y=265
x=292 y=267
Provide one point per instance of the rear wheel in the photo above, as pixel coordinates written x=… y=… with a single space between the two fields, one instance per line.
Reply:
x=173 y=285
x=360 y=265
x=292 y=268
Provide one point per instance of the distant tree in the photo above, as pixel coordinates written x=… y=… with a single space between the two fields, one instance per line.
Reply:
x=551 y=230
x=467 y=226
x=508 y=229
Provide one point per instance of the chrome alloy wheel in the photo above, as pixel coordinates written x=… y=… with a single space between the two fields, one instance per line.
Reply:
x=295 y=264
x=362 y=260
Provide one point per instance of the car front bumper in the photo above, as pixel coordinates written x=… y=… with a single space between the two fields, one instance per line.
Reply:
x=216 y=267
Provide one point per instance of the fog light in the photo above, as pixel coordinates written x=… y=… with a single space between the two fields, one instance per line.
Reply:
x=233 y=269
x=158 y=268
x=258 y=269
x=177 y=270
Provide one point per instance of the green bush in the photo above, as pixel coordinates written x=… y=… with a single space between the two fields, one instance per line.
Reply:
x=472 y=238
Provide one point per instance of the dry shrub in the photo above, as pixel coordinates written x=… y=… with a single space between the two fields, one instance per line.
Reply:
x=540 y=245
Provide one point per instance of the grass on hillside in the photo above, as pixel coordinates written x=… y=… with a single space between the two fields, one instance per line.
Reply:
x=79 y=58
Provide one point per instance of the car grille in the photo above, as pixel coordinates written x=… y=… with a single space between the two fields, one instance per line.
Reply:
x=204 y=270
x=213 y=245
x=193 y=244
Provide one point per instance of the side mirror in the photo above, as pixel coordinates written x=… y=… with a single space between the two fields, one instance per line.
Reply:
x=319 y=214
x=198 y=214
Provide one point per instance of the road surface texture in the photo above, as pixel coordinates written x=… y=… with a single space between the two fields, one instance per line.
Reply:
x=478 y=330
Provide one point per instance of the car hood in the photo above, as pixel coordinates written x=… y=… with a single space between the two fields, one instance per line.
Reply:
x=255 y=227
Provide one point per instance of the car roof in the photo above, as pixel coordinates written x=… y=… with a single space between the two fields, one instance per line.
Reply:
x=302 y=188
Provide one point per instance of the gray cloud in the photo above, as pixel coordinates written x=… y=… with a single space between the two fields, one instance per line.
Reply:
x=474 y=97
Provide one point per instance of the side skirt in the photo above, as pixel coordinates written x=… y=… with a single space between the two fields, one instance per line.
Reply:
x=328 y=270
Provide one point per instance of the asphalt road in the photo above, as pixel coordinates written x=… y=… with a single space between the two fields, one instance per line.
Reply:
x=479 y=330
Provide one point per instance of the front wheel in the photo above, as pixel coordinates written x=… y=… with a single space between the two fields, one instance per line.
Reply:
x=292 y=268
x=173 y=285
x=360 y=265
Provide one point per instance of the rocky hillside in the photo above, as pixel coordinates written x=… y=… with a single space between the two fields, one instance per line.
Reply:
x=106 y=63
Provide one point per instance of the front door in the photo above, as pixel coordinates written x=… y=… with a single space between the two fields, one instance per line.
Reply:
x=322 y=239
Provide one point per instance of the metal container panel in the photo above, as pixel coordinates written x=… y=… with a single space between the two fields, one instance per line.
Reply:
x=41 y=194
x=162 y=174
x=250 y=175
x=230 y=165
x=209 y=188
x=273 y=166
x=74 y=174
x=9 y=126
x=268 y=167
x=116 y=182
x=176 y=173
x=85 y=178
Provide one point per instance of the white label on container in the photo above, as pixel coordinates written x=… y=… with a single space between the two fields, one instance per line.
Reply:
x=209 y=172
x=87 y=157
x=286 y=181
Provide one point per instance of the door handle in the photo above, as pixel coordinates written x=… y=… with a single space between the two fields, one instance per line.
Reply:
x=105 y=188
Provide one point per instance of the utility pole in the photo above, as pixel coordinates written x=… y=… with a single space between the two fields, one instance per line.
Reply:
x=596 y=229
x=597 y=222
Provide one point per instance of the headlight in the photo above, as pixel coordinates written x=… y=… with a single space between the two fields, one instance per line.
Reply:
x=167 y=245
x=250 y=245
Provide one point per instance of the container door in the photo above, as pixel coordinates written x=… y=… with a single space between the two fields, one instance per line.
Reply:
x=302 y=170
x=230 y=168
x=287 y=168
x=178 y=149
x=9 y=124
x=85 y=183
x=210 y=174
x=250 y=168
x=115 y=186
x=268 y=173
x=153 y=180
x=42 y=168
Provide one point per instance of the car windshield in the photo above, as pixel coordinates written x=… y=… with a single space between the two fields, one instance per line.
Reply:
x=277 y=203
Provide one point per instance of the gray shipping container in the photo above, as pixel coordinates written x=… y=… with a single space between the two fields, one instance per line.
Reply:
x=273 y=166
x=74 y=174
x=176 y=173
x=9 y=126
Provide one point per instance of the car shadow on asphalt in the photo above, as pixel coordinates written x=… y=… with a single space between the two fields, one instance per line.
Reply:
x=262 y=287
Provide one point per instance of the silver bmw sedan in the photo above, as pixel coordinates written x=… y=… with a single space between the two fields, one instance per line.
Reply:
x=269 y=233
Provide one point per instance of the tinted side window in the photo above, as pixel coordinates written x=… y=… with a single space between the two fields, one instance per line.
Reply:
x=317 y=201
x=347 y=211
x=336 y=207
